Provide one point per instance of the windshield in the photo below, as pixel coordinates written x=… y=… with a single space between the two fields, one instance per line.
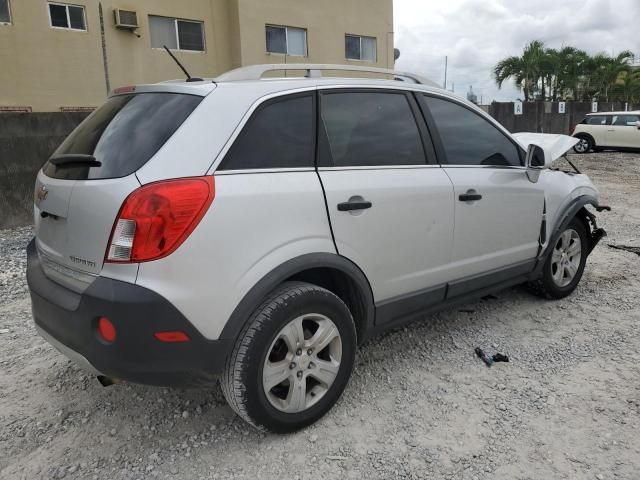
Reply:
x=122 y=135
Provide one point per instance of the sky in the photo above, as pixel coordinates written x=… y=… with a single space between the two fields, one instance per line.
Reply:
x=477 y=34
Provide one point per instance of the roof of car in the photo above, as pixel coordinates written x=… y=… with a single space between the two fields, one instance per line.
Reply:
x=633 y=112
x=253 y=75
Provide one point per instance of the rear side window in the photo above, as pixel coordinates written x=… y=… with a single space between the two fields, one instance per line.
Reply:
x=123 y=134
x=280 y=134
x=625 y=120
x=469 y=139
x=370 y=129
x=596 y=120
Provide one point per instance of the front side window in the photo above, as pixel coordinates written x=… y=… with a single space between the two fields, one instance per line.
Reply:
x=370 y=129
x=286 y=40
x=625 y=120
x=279 y=134
x=468 y=138
x=67 y=16
x=5 y=12
x=176 y=34
x=360 y=48
x=596 y=120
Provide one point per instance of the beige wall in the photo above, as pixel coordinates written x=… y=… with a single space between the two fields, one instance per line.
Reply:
x=326 y=22
x=47 y=68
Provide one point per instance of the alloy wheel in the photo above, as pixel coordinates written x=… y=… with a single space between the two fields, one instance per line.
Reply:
x=302 y=363
x=566 y=257
x=582 y=146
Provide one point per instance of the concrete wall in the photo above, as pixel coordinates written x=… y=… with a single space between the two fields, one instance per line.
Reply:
x=49 y=68
x=26 y=141
x=543 y=117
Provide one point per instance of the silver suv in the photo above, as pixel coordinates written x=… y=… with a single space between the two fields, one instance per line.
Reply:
x=257 y=230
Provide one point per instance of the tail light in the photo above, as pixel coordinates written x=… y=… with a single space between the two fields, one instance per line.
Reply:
x=155 y=219
x=573 y=129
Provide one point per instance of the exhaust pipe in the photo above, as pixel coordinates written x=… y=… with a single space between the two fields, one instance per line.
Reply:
x=107 y=381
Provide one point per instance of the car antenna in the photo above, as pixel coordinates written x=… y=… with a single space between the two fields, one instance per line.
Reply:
x=189 y=77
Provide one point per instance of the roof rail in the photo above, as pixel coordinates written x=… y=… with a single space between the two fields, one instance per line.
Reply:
x=313 y=70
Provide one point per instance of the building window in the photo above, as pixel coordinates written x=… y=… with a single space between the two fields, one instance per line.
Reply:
x=360 y=48
x=287 y=40
x=5 y=12
x=176 y=34
x=67 y=16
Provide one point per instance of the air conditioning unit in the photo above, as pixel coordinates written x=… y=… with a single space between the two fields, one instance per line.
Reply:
x=125 y=18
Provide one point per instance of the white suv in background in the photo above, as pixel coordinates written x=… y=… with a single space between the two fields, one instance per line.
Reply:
x=611 y=130
x=257 y=230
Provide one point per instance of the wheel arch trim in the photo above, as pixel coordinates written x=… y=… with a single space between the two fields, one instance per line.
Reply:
x=568 y=213
x=256 y=295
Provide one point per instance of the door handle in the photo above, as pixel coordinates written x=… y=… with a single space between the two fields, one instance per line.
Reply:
x=354 y=205
x=469 y=197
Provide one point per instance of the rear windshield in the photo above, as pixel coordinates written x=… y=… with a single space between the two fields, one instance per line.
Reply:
x=123 y=134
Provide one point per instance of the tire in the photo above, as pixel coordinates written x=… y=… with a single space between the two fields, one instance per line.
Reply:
x=585 y=145
x=265 y=345
x=560 y=280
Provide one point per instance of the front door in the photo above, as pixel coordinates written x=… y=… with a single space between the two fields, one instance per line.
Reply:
x=498 y=211
x=390 y=205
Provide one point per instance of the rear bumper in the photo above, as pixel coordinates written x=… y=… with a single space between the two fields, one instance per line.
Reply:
x=68 y=321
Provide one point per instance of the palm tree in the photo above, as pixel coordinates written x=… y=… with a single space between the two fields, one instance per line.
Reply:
x=628 y=86
x=567 y=72
x=525 y=70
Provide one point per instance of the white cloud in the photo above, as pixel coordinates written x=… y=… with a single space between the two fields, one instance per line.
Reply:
x=476 y=34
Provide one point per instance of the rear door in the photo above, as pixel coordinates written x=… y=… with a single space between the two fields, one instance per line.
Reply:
x=390 y=204
x=80 y=190
x=624 y=131
x=498 y=211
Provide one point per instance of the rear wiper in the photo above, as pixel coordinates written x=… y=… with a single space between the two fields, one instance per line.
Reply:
x=74 y=160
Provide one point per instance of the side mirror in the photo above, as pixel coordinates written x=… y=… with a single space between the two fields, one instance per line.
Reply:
x=535 y=162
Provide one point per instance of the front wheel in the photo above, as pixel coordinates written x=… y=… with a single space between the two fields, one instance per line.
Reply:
x=565 y=264
x=293 y=360
x=584 y=145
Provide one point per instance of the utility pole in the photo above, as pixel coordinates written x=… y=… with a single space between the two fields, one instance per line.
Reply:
x=446 y=61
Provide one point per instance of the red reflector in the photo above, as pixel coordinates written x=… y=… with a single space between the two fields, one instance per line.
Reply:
x=127 y=89
x=106 y=329
x=156 y=218
x=171 y=337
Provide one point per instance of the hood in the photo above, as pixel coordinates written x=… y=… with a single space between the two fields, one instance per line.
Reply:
x=554 y=145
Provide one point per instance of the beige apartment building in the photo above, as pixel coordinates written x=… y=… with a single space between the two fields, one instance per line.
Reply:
x=66 y=56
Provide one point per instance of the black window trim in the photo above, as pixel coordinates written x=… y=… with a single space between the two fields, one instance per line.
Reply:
x=437 y=140
x=428 y=147
x=252 y=115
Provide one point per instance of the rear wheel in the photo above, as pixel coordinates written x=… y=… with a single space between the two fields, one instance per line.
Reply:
x=564 y=266
x=584 y=145
x=293 y=360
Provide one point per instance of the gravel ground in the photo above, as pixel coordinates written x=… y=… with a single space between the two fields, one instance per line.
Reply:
x=420 y=404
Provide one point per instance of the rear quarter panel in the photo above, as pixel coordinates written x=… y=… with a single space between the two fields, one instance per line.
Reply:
x=256 y=222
